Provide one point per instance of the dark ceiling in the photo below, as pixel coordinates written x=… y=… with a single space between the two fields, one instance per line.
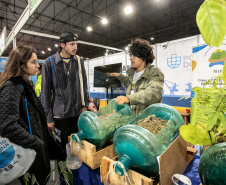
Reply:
x=164 y=20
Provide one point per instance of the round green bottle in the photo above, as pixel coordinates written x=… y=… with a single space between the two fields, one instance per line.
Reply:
x=212 y=165
x=98 y=131
x=138 y=148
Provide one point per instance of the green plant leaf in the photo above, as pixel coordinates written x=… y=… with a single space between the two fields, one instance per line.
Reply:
x=33 y=179
x=211 y=18
x=224 y=73
x=212 y=120
x=196 y=134
x=222 y=119
x=70 y=177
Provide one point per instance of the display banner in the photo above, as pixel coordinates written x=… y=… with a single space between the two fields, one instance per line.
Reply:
x=207 y=63
x=2 y=41
x=175 y=61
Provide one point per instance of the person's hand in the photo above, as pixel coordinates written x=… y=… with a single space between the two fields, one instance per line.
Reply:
x=121 y=100
x=51 y=126
x=84 y=109
x=114 y=74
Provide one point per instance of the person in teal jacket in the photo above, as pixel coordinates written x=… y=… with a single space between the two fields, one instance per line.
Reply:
x=144 y=82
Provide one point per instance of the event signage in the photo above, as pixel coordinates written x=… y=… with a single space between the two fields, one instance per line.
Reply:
x=207 y=64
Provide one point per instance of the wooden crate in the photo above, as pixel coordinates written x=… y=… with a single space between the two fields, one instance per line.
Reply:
x=89 y=153
x=174 y=160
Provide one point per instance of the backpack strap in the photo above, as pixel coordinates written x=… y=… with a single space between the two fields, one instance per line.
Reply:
x=27 y=112
x=81 y=81
x=51 y=70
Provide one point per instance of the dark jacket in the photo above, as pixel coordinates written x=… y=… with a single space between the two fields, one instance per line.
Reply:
x=60 y=94
x=148 y=88
x=14 y=124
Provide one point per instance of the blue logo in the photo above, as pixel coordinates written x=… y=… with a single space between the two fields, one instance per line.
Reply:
x=174 y=61
x=7 y=156
x=171 y=86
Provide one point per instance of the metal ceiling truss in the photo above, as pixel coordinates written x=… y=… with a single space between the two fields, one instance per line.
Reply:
x=166 y=21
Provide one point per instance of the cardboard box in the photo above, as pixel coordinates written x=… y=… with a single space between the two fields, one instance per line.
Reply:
x=174 y=159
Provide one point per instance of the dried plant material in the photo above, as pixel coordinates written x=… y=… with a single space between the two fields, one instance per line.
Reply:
x=152 y=124
x=106 y=115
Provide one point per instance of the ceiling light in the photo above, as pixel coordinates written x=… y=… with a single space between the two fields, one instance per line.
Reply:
x=43 y=52
x=152 y=38
x=89 y=28
x=49 y=49
x=128 y=10
x=104 y=21
x=56 y=45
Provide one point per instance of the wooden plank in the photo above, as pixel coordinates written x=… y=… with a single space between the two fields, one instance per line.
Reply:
x=114 y=179
x=89 y=154
x=174 y=160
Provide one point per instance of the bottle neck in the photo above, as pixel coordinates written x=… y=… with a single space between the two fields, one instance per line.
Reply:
x=80 y=135
x=124 y=163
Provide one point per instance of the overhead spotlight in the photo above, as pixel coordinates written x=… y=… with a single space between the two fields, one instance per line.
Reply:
x=56 y=45
x=89 y=28
x=128 y=10
x=152 y=38
x=43 y=52
x=49 y=49
x=104 y=21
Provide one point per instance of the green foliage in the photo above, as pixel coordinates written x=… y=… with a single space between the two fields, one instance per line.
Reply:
x=211 y=18
x=68 y=176
x=210 y=104
x=29 y=179
x=196 y=134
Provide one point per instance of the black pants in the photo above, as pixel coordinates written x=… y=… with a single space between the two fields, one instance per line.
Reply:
x=67 y=126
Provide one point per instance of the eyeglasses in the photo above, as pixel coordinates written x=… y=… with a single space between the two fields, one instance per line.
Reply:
x=35 y=62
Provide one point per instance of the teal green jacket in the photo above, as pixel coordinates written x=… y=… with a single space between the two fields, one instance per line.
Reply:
x=147 y=90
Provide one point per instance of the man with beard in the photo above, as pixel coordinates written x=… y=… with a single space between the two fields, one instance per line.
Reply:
x=64 y=93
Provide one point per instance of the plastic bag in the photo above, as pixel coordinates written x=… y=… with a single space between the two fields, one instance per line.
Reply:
x=14 y=160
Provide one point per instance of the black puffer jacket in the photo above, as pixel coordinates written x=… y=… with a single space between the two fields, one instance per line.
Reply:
x=14 y=124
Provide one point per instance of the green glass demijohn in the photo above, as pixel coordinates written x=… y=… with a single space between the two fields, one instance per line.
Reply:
x=138 y=148
x=212 y=165
x=98 y=131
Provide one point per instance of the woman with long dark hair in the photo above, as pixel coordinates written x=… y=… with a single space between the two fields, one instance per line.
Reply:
x=14 y=125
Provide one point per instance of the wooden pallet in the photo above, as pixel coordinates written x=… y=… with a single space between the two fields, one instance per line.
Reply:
x=174 y=160
x=89 y=153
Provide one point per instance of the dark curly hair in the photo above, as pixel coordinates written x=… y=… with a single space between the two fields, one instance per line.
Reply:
x=142 y=49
